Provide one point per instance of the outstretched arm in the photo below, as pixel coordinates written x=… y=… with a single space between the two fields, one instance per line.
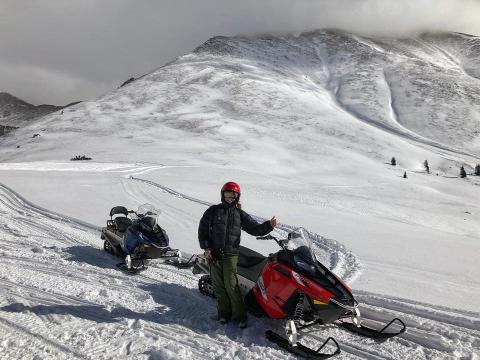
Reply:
x=254 y=228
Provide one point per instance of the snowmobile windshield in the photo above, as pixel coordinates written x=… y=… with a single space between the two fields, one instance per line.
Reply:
x=148 y=215
x=301 y=246
x=147 y=210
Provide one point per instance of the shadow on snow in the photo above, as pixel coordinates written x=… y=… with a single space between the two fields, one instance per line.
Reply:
x=92 y=256
x=178 y=305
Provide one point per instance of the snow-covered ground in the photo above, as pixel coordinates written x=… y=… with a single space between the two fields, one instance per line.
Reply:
x=306 y=125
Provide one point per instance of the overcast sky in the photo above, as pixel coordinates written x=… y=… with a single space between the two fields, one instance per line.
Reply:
x=59 y=51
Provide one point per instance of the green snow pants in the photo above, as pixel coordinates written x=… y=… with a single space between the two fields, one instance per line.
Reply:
x=225 y=285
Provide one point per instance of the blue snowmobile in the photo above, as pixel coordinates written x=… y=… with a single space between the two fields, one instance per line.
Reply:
x=136 y=237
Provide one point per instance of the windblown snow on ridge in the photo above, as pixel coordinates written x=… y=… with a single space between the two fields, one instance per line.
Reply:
x=330 y=88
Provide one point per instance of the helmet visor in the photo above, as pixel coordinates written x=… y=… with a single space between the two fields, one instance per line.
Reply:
x=230 y=195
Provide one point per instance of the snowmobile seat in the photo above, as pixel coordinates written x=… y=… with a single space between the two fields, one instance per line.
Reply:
x=250 y=263
x=248 y=258
x=122 y=223
x=253 y=272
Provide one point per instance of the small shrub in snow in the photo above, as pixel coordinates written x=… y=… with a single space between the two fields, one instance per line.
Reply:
x=463 y=174
x=80 y=157
x=393 y=162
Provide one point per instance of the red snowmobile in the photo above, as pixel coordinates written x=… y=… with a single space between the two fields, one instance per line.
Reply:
x=293 y=285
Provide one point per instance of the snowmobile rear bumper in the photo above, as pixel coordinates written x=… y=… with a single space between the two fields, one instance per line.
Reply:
x=114 y=240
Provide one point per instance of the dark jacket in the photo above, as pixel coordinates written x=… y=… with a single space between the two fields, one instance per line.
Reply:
x=220 y=228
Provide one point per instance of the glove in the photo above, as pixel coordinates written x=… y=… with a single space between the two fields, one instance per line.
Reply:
x=208 y=254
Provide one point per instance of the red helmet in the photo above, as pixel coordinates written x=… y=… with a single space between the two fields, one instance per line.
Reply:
x=231 y=186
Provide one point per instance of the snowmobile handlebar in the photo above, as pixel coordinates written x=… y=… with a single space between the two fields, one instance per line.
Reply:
x=266 y=237
x=280 y=242
x=148 y=213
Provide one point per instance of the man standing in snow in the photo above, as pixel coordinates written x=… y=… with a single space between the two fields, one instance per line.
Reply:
x=219 y=236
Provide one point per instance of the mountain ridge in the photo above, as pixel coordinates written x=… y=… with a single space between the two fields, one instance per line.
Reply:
x=408 y=92
x=15 y=112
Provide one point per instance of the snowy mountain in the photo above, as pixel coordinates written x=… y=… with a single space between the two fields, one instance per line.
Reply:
x=412 y=90
x=15 y=112
x=307 y=124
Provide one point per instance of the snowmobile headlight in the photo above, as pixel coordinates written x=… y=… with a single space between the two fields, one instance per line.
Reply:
x=304 y=266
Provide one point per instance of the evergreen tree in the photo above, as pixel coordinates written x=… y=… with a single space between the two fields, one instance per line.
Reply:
x=477 y=170
x=405 y=175
x=463 y=174
x=425 y=165
x=393 y=162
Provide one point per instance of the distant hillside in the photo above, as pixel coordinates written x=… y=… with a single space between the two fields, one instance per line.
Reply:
x=15 y=112
x=426 y=88
x=318 y=97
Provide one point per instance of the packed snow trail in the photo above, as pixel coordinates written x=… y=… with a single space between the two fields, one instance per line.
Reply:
x=63 y=298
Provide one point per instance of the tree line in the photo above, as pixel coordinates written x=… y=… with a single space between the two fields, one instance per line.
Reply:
x=462 y=172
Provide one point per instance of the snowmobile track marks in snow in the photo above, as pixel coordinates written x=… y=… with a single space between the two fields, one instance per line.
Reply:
x=98 y=321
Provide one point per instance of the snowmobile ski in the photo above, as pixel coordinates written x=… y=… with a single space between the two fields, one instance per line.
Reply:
x=302 y=350
x=374 y=333
x=177 y=262
x=130 y=271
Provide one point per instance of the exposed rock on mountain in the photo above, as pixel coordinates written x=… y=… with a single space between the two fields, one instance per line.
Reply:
x=15 y=112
